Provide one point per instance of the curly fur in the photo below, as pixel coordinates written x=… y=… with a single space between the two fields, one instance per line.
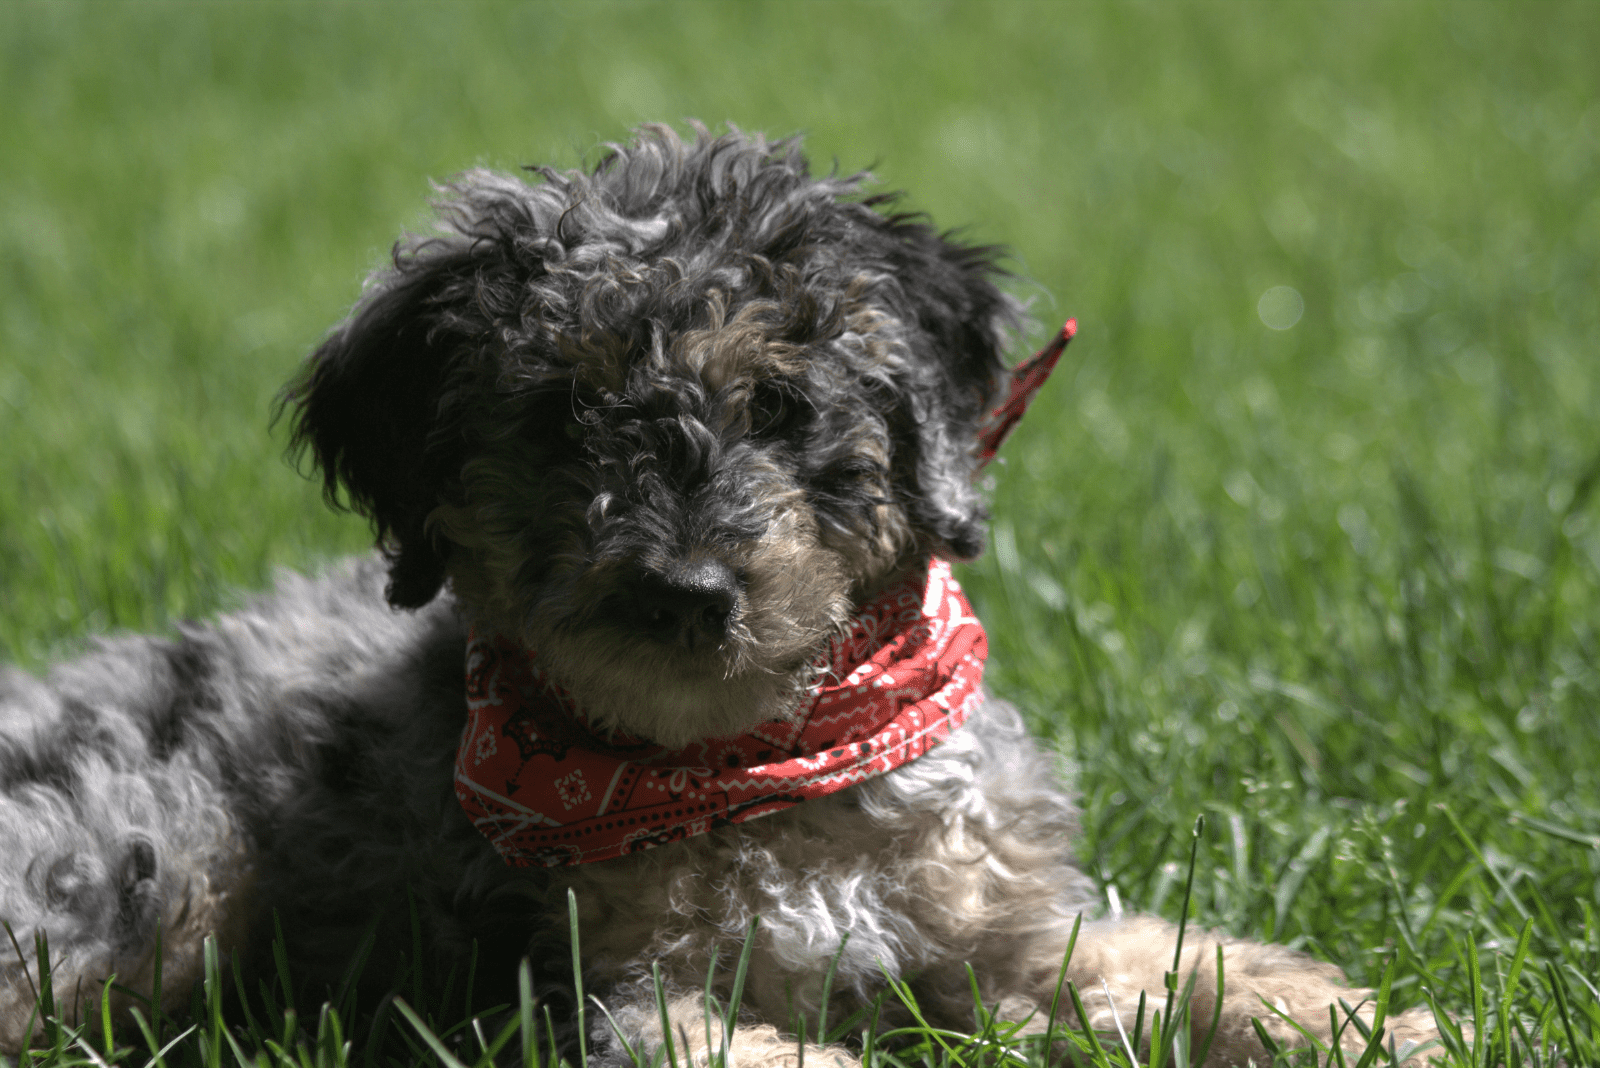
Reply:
x=668 y=421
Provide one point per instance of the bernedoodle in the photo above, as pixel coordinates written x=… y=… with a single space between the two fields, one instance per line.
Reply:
x=665 y=459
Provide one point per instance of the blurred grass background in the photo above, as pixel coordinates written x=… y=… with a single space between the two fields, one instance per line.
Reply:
x=1316 y=583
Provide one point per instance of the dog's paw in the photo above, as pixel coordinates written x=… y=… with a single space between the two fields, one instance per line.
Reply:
x=88 y=902
x=764 y=1047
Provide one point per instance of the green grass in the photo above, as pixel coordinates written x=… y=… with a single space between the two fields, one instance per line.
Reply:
x=1332 y=587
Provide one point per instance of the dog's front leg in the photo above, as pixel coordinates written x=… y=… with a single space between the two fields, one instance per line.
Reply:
x=1114 y=962
x=105 y=854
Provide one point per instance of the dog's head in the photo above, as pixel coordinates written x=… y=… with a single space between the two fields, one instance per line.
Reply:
x=667 y=421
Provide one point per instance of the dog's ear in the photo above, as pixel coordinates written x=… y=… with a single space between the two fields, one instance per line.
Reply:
x=962 y=320
x=369 y=406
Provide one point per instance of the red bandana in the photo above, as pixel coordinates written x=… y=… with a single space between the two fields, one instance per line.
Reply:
x=546 y=789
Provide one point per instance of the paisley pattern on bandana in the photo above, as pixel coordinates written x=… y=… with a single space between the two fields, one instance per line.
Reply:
x=545 y=789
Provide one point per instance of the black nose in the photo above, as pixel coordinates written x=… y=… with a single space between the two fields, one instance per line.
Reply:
x=688 y=603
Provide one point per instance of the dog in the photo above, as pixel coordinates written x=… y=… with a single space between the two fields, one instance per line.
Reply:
x=665 y=459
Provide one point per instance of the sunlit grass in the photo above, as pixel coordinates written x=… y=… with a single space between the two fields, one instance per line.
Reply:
x=1500 y=1027
x=1330 y=583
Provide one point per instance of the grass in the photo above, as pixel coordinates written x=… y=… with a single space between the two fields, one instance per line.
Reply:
x=1333 y=587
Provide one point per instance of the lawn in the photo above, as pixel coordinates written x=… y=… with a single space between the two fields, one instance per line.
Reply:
x=1301 y=539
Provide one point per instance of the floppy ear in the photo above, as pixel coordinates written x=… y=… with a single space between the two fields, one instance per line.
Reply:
x=369 y=407
x=962 y=320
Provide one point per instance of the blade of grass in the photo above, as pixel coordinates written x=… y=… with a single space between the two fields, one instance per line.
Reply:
x=22 y=961
x=89 y=1051
x=1555 y=830
x=212 y=985
x=708 y=998
x=1335 y=1030
x=1138 y=1021
x=827 y=987
x=1450 y=1036
x=1216 y=1012
x=1092 y=1044
x=1508 y=988
x=377 y=1032
x=157 y=1054
x=1380 y=1014
x=902 y=991
x=48 y=1009
x=1479 y=1007
x=1061 y=978
x=491 y=1051
x=525 y=1015
x=439 y=1049
x=1116 y=1017
x=661 y=1008
x=577 y=977
x=349 y=983
x=736 y=995
x=867 y=1039
x=1312 y=1040
x=1494 y=873
x=106 y=1034
x=1270 y=1044
x=291 y=1028
x=1559 y=992
x=621 y=1036
x=550 y=1037
x=251 y=1025
x=1158 y=1053
x=280 y=959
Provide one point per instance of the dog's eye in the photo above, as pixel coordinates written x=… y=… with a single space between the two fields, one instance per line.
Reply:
x=573 y=431
x=774 y=410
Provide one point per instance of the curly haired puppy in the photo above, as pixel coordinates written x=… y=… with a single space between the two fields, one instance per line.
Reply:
x=680 y=425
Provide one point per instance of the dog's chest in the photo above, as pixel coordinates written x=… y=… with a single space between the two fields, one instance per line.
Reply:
x=800 y=870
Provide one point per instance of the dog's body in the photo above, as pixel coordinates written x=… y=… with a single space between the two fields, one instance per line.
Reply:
x=667 y=423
